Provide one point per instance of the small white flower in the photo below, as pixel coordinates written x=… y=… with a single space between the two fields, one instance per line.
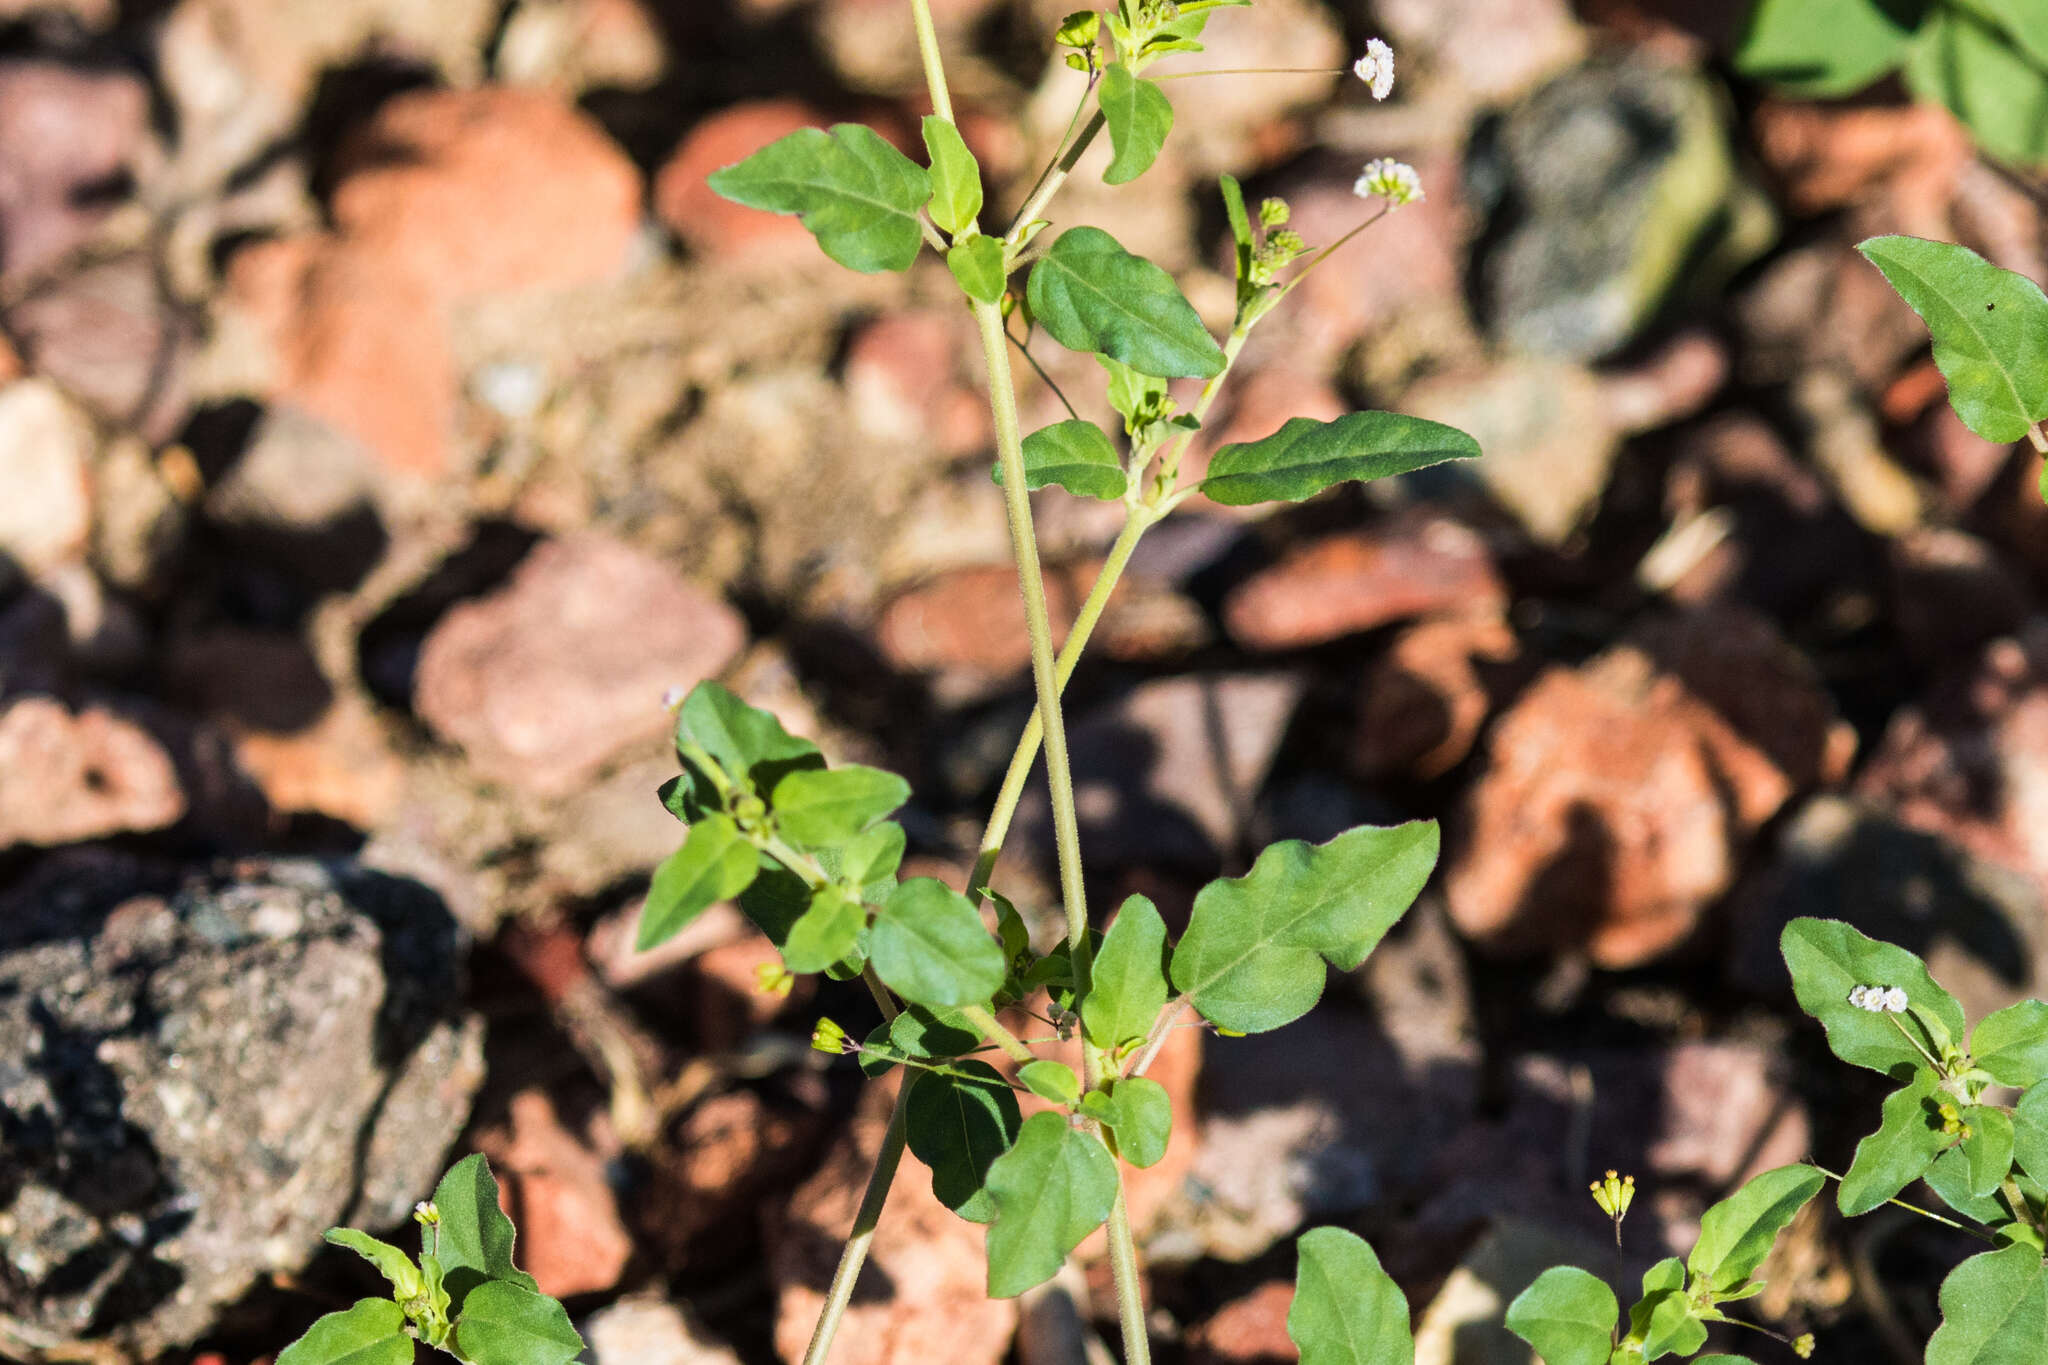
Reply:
x=1394 y=181
x=1895 y=1000
x=1879 y=999
x=672 y=697
x=1376 y=68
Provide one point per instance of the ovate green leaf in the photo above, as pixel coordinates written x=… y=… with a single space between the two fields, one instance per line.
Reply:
x=1252 y=957
x=1990 y=330
x=955 y=174
x=927 y=1034
x=831 y=805
x=1092 y=295
x=1076 y=456
x=1828 y=959
x=825 y=933
x=2025 y=21
x=1992 y=85
x=958 y=1127
x=1949 y=1177
x=1664 y=1318
x=1051 y=1189
x=1127 y=985
x=749 y=744
x=371 y=1333
x=1347 y=1310
x=2030 y=1133
x=1736 y=1234
x=1139 y=1114
x=1305 y=456
x=858 y=195
x=977 y=264
x=1567 y=1316
x=928 y=945
x=1994 y=1311
x=476 y=1236
x=715 y=863
x=1050 y=1080
x=1139 y=117
x=2013 y=1044
x=1826 y=47
x=1907 y=1140
x=1987 y=1151
x=508 y=1324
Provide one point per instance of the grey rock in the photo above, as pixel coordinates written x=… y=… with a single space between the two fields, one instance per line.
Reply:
x=1606 y=190
x=202 y=1071
x=112 y=338
x=67 y=136
x=650 y=1331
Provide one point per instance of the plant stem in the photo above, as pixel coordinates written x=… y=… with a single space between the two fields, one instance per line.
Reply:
x=1136 y=522
x=1254 y=71
x=1037 y=620
x=1978 y=1233
x=985 y=1023
x=1057 y=177
x=1123 y=1263
x=2038 y=437
x=934 y=64
x=864 y=1222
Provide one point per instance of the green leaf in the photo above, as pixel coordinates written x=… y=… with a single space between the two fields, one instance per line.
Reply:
x=2030 y=1133
x=858 y=195
x=1240 y=224
x=715 y=863
x=1949 y=1177
x=977 y=264
x=1665 y=1318
x=958 y=1127
x=1051 y=1189
x=2012 y=1045
x=509 y=1324
x=393 y=1264
x=476 y=1236
x=925 y=1034
x=1988 y=82
x=825 y=933
x=1140 y=117
x=1076 y=456
x=955 y=176
x=1127 y=985
x=1907 y=1140
x=747 y=743
x=1346 y=1310
x=1092 y=295
x=1139 y=1114
x=869 y=860
x=371 y=1333
x=1990 y=330
x=1988 y=1149
x=2025 y=21
x=1736 y=1234
x=1826 y=47
x=1567 y=1316
x=825 y=806
x=1050 y=1080
x=1252 y=957
x=1994 y=1311
x=1305 y=456
x=928 y=945
x=1828 y=959
x=1723 y=1360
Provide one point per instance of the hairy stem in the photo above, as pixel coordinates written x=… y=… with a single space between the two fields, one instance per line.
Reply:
x=934 y=63
x=1056 y=177
x=2038 y=438
x=1123 y=1263
x=986 y=1025
x=864 y=1222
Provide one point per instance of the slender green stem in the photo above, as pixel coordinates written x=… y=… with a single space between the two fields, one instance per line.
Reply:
x=1037 y=620
x=1253 y=71
x=1136 y=522
x=1024 y=349
x=934 y=64
x=1978 y=1233
x=1123 y=1264
x=1056 y=177
x=1907 y=1034
x=864 y=1222
x=987 y=1026
x=1162 y=1029
x=1169 y=464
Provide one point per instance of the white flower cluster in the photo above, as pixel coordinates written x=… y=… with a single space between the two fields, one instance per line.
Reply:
x=1394 y=181
x=1879 y=999
x=1376 y=68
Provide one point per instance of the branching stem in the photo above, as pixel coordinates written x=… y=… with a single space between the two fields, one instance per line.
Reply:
x=988 y=1027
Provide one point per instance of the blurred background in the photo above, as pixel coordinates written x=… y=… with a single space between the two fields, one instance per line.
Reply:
x=389 y=414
